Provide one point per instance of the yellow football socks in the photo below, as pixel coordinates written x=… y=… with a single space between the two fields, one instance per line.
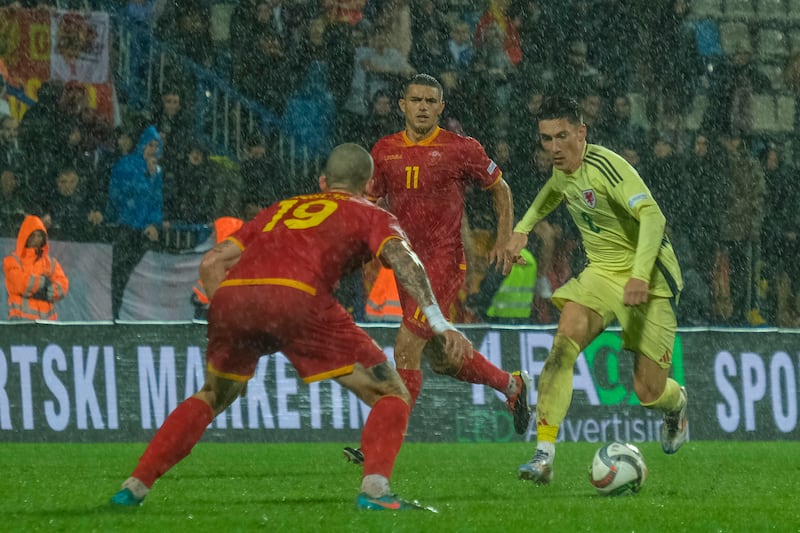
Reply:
x=670 y=399
x=555 y=387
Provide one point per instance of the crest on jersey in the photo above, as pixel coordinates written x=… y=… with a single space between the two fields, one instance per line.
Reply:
x=435 y=156
x=590 y=198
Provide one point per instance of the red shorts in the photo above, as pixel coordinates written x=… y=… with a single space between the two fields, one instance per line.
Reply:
x=314 y=332
x=447 y=278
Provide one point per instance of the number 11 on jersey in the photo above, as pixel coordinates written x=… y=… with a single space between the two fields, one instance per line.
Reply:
x=412 y=177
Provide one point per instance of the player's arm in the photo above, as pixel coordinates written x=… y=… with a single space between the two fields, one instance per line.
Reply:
x=215 y=264
x=634 y=197
x=410 y=273
x=547 y=199
x=504 y=210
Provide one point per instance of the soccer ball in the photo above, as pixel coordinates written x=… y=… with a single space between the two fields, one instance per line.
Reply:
x=617 y=468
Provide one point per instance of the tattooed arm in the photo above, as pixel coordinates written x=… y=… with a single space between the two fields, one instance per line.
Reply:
x=408 y=270
x=215 y=265
x=410 y=273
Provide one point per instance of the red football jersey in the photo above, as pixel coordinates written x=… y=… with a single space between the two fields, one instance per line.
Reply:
x=309 y=242
x=425 y=183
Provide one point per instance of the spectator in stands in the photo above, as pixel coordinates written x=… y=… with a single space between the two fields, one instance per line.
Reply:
x=741 y=221
x=189 y=189
x=74 y=106
x=534 y=27
x=489 y=89
x=73 y=218
x=385 y=66
x=524 y=133
x=34 y=280
x=135 y=206
x=174 y=124
x=260 y=68
x=730 y=98
x=310 y=116
x=575 y=74
x=187 y=28
x=42 y=131
x=330 y=42
x=262 y=181
x=705 y=175
x=594 y=111
x=497 y=16
x=427 y=16
x=460 y=46
x=675 y=66
x=13 y=203
x=382 y=119
x=393 y=19
x=430 y=54
x=662 y=164
x=621 y=131
x=11 y=155
x=781 y=235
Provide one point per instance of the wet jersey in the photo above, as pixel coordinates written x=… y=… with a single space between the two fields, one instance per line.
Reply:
x=607 y=200
x=424 y=184
x=309 y=242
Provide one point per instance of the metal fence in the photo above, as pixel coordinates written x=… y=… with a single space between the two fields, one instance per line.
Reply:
x=223 y=116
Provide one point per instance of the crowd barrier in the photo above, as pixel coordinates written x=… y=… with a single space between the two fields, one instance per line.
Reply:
x=117 y=383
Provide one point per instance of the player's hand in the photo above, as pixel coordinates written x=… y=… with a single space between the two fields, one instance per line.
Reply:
x=151 y=233
x=456 y=346
x=513 y=247
x=500 y=257
x=636 y=292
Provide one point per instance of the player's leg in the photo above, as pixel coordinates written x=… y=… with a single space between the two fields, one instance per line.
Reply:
x=577 y=327
x=176 y=437
x=652 y=344
x=478 y=369
x=408 y=347
x=381 y=388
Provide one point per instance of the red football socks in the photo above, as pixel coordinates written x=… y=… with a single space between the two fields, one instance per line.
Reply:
x=481 y=371
x=413 y=381
x=174 y=440
x=383 y=435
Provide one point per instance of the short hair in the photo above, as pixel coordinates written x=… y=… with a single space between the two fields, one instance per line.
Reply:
x=426 y=80
x=349 y=166
x=561 y=107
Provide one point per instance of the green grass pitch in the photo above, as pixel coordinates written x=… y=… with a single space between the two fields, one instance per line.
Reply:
x=707 y=486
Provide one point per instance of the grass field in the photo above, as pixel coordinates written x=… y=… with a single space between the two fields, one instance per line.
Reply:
x=707 y=486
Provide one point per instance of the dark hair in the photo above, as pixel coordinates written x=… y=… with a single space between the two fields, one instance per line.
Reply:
x=558 y=107
x=426 y=80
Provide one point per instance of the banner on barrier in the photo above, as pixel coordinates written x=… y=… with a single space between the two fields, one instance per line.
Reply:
x=118 y=383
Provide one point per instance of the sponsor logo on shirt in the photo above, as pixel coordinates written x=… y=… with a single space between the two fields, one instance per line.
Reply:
x=392 y=157
x=590 y=198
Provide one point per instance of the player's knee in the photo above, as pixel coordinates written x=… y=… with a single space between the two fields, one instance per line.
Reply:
x=439 y=360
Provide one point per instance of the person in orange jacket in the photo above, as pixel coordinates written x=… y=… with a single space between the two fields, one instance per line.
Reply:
x=34 y=280
x=223 y=227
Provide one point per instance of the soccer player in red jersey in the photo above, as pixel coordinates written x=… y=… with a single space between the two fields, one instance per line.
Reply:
x=278 y=295
x=422 y=173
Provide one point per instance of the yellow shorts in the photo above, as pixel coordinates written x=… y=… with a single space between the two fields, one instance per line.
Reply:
x=648 y=329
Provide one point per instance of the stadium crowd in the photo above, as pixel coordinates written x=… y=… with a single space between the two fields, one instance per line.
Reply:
x=725 y=187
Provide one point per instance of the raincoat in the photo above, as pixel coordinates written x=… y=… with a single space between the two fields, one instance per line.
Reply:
x=33 y=283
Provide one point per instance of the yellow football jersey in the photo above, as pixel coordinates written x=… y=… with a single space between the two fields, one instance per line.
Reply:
x=608 y=202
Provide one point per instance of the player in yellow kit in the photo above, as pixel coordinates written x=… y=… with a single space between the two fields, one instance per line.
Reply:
x=632 y=276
